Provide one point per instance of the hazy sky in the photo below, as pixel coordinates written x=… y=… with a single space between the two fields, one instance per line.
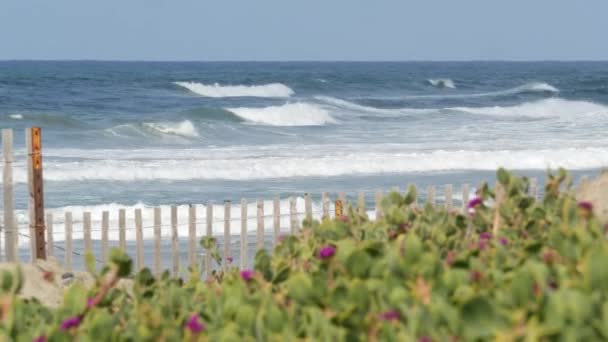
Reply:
x=304 y=30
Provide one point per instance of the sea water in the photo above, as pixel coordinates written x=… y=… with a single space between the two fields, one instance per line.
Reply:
x=138 y=134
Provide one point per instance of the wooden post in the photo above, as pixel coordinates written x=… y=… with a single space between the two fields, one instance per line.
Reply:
x=86 y=227
x=10 y=229
x=361 y=203
x=378 y=205
x=276 y=214
x=339 y=209
x=35 y=182
x=227 y=246
x=105 y=226
x=209 y=233
x=308 y=206
x=122 y=229
x=139 y=237
x=260 y=227
x=191 y=235
x=293 y=215
x=157 y=236
x=534 y=188
x=243 y=234
x=68 y=240
x=448 y=197
x=430 y=194
x=49 y=235
x=465 y=197
x=325 y=200
x=174 y=240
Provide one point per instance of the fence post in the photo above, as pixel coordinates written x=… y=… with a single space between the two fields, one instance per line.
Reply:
x=209 y=233
x=139 y=239
x=105 y=226
x=86 y=227
x=276 y=213
x=361 y=203
x=465 y=197
x=325 y=200
x=260 y=227
x=10 y=229
x=244 y=219
x=49 y=235
x=308 y=206
x=157 y=236
x=68 y=240
x=174 y=240
x=191 y=235
x=227 y=247
x=293 y=218
x=339 y=209
x=448 y=196
x=36 y=208
x=534 y=188
x=122 y=228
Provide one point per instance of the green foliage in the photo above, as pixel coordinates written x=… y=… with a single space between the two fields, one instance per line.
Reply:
x=524 y=271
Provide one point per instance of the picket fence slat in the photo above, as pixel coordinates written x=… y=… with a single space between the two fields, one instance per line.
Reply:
x=244 y=219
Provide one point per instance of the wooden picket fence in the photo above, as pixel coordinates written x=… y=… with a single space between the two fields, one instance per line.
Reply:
x=166 y=251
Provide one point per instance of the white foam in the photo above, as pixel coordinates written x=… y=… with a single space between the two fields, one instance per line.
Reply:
x=16 y=116
x=165 y=129
x=291 y=114
x=217 y=90
x=282 y=163
x=553 y=107
x=184 y=128
x=442 y=83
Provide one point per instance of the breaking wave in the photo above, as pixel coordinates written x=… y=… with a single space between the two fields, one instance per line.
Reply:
x=217 y=90
x=442 y=83
x=291 y=114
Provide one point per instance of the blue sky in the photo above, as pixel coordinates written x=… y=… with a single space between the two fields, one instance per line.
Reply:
x=304 y=30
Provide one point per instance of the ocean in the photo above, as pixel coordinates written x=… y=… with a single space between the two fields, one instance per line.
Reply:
x=142 y=134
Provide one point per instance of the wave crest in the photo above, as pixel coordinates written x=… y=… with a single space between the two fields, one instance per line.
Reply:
x=182 y=129
x=553 y=107
x=217 y=90
x=291 y=114
x=442 y=83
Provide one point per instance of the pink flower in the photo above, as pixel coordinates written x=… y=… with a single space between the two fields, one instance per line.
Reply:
x=425 y=339
x=229 y=260
x=485 y=236
x=585 y=205
x=90 y=302
x=391 y=315
x=327 y=252
x=475 y=202
x=247 y=275
x=40 y=338
x=504 y=241
x=70 y=323
x=194 y=324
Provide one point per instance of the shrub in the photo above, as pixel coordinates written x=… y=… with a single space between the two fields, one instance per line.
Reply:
x=521 y=270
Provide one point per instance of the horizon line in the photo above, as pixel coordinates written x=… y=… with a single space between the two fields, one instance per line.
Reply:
x=311 y=60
